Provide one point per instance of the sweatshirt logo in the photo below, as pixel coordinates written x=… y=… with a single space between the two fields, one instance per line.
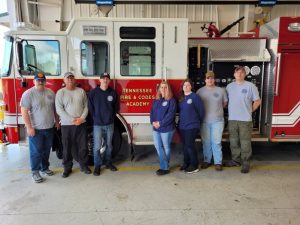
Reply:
x=110 y=98
x=165 y=103
x=216 y=95
x=244 y=91
x=189 y=101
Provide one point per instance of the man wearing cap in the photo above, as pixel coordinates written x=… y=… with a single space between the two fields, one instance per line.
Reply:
x=243 y=100
x=71 y=106
x=38 y=112
x=214 y=100
x=103 y=106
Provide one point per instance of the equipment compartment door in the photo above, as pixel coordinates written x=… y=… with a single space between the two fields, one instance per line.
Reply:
x=286 y=107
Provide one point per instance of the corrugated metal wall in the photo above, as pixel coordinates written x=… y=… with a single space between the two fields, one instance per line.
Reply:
x=197 y=14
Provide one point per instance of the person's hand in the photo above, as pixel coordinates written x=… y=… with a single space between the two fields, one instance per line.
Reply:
x=156 y=124
x=57 y=125
x=30 y=131
x=77 y=121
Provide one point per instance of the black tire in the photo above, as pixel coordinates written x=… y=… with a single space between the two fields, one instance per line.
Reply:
x=117 y=141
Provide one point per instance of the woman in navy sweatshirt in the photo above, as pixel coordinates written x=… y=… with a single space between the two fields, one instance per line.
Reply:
x=162 y=118
x=191 y=112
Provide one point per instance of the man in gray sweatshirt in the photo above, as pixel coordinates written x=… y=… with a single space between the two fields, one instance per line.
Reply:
x=71 y=106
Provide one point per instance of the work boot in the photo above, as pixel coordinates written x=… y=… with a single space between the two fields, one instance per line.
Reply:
x=218 y=167
x=66 y=173
x=205 y=165
x=161 y=172
x=97 y=171
x=85 y=169
x=111 y=167
x=245 y=167
x=232 y=163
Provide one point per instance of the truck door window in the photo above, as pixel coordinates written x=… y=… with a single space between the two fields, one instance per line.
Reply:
x=137 y=32
x=94 y=58
x=41 y=55
x=7 y=56
x=137 y=58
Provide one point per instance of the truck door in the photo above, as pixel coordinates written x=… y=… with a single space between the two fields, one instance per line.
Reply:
x=286 y=107
x=139 y=64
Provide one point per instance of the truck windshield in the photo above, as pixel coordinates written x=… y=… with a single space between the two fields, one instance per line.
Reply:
x=41 y=55
x=7 y=56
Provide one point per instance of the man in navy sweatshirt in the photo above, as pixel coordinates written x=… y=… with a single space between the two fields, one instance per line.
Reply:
x=103 y=106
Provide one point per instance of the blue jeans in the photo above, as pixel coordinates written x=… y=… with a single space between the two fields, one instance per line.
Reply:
x=39 y=149
x=162 y=143
x=211 y=136
x=102 y=133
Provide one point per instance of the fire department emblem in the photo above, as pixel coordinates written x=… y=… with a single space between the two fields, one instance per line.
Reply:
x=216 y=95
x=189 y=101
x=110 y=98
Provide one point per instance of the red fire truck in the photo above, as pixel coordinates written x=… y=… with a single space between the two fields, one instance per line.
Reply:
x=139 y=53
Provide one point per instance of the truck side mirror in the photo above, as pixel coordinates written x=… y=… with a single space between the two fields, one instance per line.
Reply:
x=30 y=56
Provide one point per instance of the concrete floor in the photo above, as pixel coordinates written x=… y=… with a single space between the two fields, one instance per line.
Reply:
x=268 y=195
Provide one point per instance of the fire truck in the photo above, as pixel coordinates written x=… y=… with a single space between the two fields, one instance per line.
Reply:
x=139 y=53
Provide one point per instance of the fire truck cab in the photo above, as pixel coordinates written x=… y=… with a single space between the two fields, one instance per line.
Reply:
x=138 y=54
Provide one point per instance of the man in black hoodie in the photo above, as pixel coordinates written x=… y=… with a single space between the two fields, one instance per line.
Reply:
x=103 y=106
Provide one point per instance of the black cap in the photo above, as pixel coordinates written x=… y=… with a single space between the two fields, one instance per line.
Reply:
x=105 y=74
x=39 y=76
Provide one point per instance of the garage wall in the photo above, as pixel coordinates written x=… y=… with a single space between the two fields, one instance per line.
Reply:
x=55 y=15
x=222 y=15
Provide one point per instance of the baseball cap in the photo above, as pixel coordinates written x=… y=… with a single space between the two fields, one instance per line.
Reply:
x=210 y=74
x=105 y=74
x=67 y=74
x=39 y=76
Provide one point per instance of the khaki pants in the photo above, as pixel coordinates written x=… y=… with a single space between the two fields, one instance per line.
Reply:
x=240 y=140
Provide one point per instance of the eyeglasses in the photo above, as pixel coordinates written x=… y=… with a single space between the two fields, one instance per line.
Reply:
x=207 y=78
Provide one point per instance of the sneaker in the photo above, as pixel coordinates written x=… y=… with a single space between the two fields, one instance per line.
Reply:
x=232 y=163
x=161 y=172
x=183 y=167
x=205 y=165
x=47 y=172
x=85 y=169
x=36 y=177
x=66 y=173
x=218 y=167
x=97 y=171
x=245 y=168
x=111 y=167
x=191 y=169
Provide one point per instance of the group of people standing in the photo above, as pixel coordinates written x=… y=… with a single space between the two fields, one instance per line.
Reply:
x=68 y=110
x=204 y=111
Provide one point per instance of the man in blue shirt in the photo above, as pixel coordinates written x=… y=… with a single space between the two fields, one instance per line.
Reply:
x=243 y=100
x=103 y=106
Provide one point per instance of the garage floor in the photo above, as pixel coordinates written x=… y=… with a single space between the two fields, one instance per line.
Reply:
x=269 y=194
